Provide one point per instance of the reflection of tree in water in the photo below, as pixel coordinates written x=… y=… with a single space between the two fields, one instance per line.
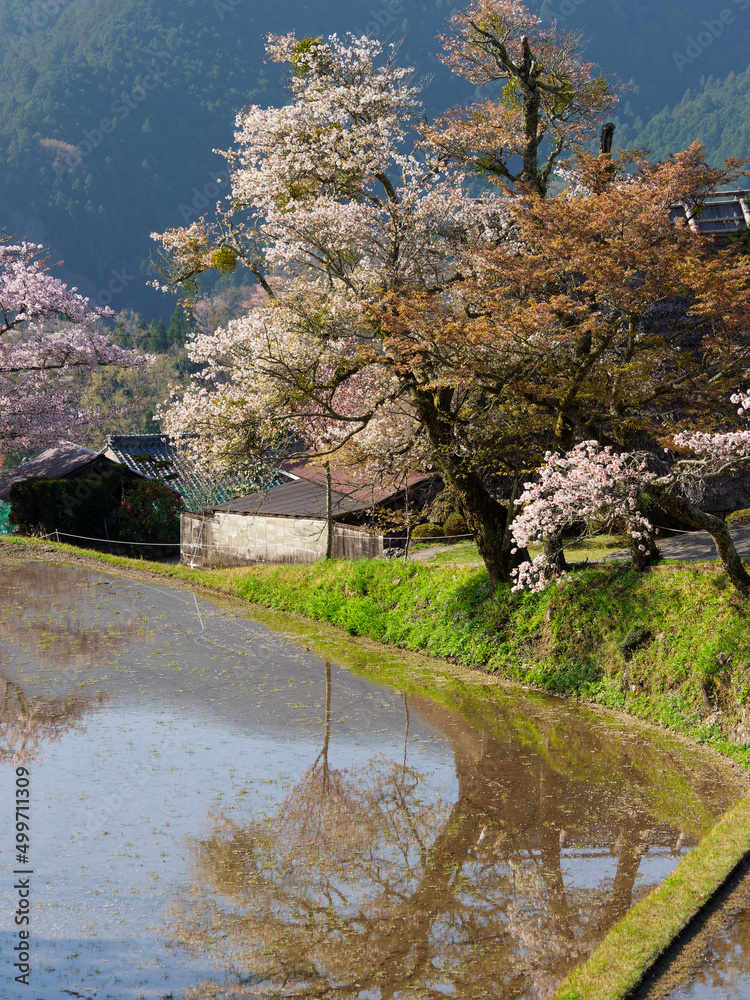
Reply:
x=363 y=881
x=55 y=613
x=726 y=965
x=27 y=722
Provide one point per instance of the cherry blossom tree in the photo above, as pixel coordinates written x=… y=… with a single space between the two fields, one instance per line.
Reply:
x=407 y=325
x=594 y=483
x=337 y=221
x=47 y=333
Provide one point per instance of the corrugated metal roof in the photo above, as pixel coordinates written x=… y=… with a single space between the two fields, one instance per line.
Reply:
x=54 y=463
x=301 y=498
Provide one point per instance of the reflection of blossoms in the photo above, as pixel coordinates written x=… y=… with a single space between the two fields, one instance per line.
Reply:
x=28 y=723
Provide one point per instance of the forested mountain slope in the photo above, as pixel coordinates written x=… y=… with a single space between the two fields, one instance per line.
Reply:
x=661 y=48
x=718 y=115
x=109 y=112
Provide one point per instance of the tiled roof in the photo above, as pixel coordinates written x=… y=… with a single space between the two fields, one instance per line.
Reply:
x=306 y=496
x=156 y=457
x=352 y=483
x=54 y=463
x=301 y=498
x=150 y=455
x=721 y=214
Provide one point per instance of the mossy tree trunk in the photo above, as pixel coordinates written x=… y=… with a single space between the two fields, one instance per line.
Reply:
x=485 y=516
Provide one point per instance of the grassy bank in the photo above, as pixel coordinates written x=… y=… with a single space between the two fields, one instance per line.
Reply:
x=672 y=647
x=647 y=930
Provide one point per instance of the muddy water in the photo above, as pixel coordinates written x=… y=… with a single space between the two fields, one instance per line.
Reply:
x=219 y=812
x=711 y=959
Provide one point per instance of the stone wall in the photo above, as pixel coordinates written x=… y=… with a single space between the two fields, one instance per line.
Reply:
x=226 y=539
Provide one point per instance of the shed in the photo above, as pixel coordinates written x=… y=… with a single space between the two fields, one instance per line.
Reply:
x=721 y=214
x=66 y=461
x=288 y=523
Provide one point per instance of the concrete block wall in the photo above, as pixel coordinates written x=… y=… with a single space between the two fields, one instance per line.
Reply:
x=226 y=539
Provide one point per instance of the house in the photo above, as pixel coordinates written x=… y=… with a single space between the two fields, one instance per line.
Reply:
x=722 y=214
x=288 y=523
x=66 y=461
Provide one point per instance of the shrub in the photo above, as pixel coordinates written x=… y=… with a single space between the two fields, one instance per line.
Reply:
x=739 y=517
x=6 y=525
x=150 y=512
x=455 y=525
x=427 y=531
x=75 y=506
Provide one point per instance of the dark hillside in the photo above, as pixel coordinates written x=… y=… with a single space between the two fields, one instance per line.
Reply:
x=716 y=114
x=109 y=111
x=661 y=47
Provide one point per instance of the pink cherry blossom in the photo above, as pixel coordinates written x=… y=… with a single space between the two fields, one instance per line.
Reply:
x=46 y=332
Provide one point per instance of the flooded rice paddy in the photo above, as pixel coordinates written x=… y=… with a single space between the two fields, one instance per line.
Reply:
x=220 y=812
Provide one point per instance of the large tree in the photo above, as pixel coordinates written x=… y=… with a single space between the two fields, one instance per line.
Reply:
x=551 y=101
x=47 y=333
x=622 y=327
x=340 y=224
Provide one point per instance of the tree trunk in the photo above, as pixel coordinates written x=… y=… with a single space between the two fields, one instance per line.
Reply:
x=329 y=513
x=486 y=517
x=531 y=98
x=641 y=559
x=408 y=520
x=553 y=551
x=681 y=508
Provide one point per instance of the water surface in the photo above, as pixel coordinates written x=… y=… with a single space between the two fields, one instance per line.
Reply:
x=220 y=812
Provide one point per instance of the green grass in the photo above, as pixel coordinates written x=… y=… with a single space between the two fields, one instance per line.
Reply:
x=647 y=930
x=578 y=550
